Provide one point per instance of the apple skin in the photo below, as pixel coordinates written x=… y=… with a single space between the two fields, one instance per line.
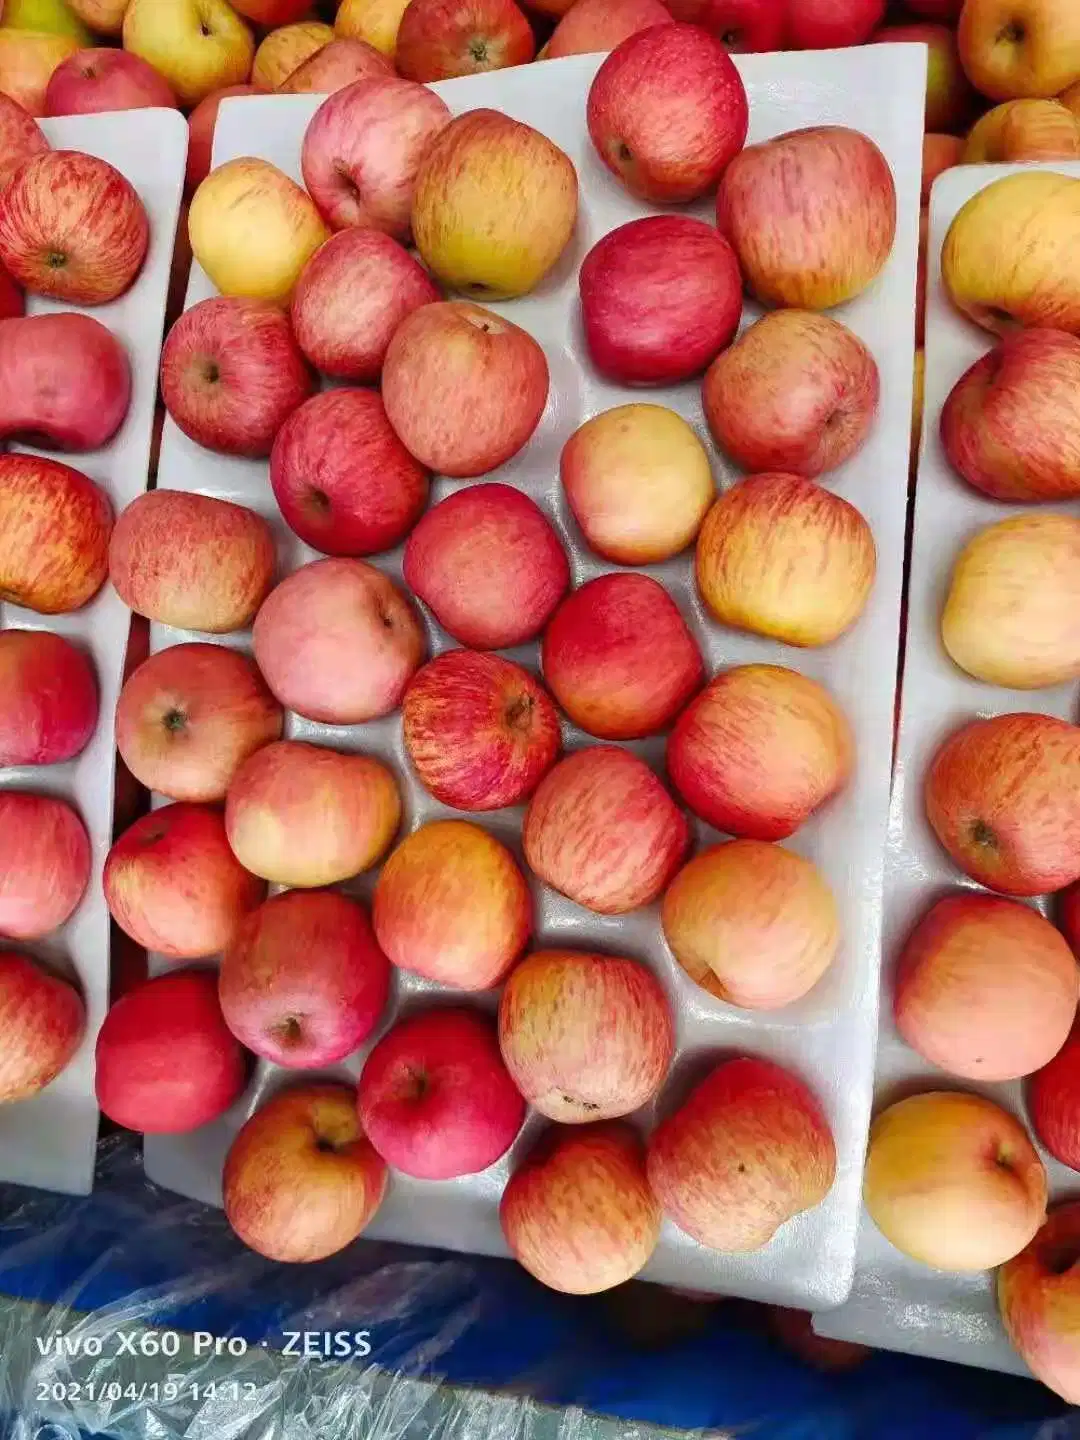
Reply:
x=794 y=1330
x=742 y=26
x=749 y=1149
x=363 y=149
x=442 y=39
x=301 y=1180
x=198 y=48
x=340 y=63
x=352 y=296
x=488 y=564
x=1002 y=797
x=463 y=388
x=192 y=562
x=949 y=96
x=601 y=25
x=43 y=1019
x=44 y=864
x=1053 y=1103
x=811 y=216
x=64 y=380
x=946 y=10
x=452 y=905
x=285 y=48
x=779 y=556
x=1009 y=427
x=27 y=61
x=953 y=1181
x=55 y=525
x=306 y=816
x=201 y=125
x=495 y=206
x=667 y=113
x=374 y=21
x=940 y=153
x=578 y=1213
x=660 y=297
x=797 y=392
x=303 y=982
x=173 y=885
x=1024 y=130
x=272 y=13
x=435 y=1098
x=166 y=1063
x=338 y=642
x=759 y=750
x=342 y=478
x=189 y=716
x=106 y=17
x=619 y=658
x=63 y=203
x=986 y=989
x=50 y=695
x=585 y=1037
x=602 y=830
x=1038 y=1303
x=93 y=80
x=479 y=731
x=1027 y=51
x=21 y=138
x=832 y=24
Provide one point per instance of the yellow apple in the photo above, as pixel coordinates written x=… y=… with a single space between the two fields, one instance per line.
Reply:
x=198 y=45
x=375 y=21
x=51 y=17
x=1070 y=98
x=105 y=17
x=285 y=49
x=27 y=61
x=253 y=229
x=1024 y=130
x=1016 y=48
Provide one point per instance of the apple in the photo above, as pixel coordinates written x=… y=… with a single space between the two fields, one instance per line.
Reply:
x=936 y=9
x=949 y=96
x=602 y=830
x=742 y=26
x=479 y=731
x=1070 y=98
x=27 y=61
x=232 y=373
x=1003 y=261
x=1024 y=130
x=303 y=982
x=337 y=64
x=986 y=989
x=751 y=923
x=54 y=535
x=64 y=380
x=45 y=862
x=166 y=1063
x=779 y=556
x=12 y=299
x=72 y=228
x=338 y=642
x=601 y=25
x=106 y=17
x=495 y=206
x=832 y=24
x=441 y=39
x=452 y=905
x=794 y=1329
x=50 y=692
x=749 y=1150
x=94 y=80
x=796 y=392
x=54 y=17
x=21 y=137
x=435 y=1098
x=343 y=480
x=578 y=1212
x=584 y=1036
x=811 y=215
x=198 y=45
x=189 y=716
x=172 y=883
x=374 y=21
x=1053 y=1101
x=953 y=1181
x=270 y=13
x=488 y=565
x=1011 y=51
x=305 y=816
x=1037 y=1301
x=660 y=297
x=301 y=1180
x=43 y=1020
x=667 y=113
x=940 y=153
x=286 y=48
x=201 y=125
x=463 y=388
x=639 y=483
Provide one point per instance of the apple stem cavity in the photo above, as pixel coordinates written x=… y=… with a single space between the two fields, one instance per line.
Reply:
x=983 y=835
x=174 y=720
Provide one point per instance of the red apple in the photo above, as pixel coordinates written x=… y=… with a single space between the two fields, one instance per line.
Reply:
x=166 y=1061
x=189 y=716
x=488 y=564
x=439 y=39
x=64 y=381
x=591 y=25
x=12 y=299
x=936 y=9
x=1038 y=1302
x=742 y=26
x=73 y=228
x=54 y=535
x=602 y=830
x=832 y=24
x=50 y=707
x=949 y=96
x=21 y=137
x=340 y=63
x=232 y=373
x=338 y=642
x=940 y=153
x=480 y=731
x=660 y=298
x=93 y=80
x=43 y=1021
x=351 y=297
x=44 y=864
x=463 y=388
x=362 y=151
x=619 y=658
x=201 y=125
x=1053 y=1102
x=172 y=883
x=344 y=481
x=272 y=13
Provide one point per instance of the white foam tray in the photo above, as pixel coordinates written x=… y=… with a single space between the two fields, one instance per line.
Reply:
x=896 y=1303
x=829 y=1037
x=50 y=1140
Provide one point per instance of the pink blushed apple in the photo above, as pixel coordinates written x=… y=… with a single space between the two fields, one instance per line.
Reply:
x=94 y=80
x=831 y=24
x=21 y=137
x=55 y=524
x=50 y=707
x=43 y=1020
x=1038 y=1300
x=601 y=25
x=44 y=864
x=340 y=63
x=65 y=381
x=441 y=39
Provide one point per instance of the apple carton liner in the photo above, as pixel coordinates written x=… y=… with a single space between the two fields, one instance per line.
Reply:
x=50 y=1140
x=828 y=1038
x=896 y=1303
